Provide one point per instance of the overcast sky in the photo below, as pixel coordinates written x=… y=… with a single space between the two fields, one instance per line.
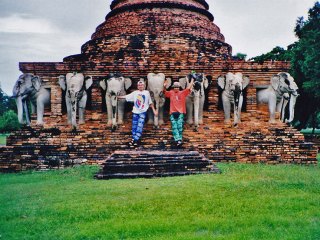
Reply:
x=47 y=30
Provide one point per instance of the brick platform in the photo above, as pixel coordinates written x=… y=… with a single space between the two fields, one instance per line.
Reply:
x=152 y=163
x=254 y=141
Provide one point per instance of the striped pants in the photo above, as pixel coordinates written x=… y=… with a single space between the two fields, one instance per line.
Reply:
x=177 y=121
x=137 y=125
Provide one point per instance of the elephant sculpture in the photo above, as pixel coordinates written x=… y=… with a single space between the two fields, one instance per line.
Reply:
x=75 y=85
x=282 y=89
x=115 y=85
x=29 y=89
x=232 y=86
x=195 y=100
x=155 y=87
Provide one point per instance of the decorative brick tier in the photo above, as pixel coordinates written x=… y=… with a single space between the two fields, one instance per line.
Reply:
x=152 y=163
x=157 y=36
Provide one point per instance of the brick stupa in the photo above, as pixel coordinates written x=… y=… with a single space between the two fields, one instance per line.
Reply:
x=142 y=36
x=169 y=36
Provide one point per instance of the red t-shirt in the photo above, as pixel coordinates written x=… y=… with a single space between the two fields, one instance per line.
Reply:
x=177 y=100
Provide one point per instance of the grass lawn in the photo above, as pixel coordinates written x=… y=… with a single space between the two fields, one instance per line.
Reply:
x=3 y=139
x=244 y=202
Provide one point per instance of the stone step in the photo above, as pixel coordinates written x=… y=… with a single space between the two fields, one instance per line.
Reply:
x=155 y=163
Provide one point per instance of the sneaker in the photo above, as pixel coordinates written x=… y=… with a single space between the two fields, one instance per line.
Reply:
x=179 y=143
x=131 y=143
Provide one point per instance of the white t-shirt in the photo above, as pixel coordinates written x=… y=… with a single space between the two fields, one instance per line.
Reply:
x=141 y=101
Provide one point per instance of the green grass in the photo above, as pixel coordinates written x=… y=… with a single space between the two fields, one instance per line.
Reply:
x=244 y=202
x=3 y=139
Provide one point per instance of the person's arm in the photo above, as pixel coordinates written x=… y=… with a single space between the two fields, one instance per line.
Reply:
x=128 y=97
x=165 y=92
x=122 y=97
x=190 y=87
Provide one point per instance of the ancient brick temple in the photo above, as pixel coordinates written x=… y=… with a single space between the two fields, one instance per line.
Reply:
x=136 y=38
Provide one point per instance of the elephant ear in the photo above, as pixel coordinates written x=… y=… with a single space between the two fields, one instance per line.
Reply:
x=183 y=82
x=36 y=82
x=127 y=83
x=103 y=84
x=16 y=87
x=245 y=81
x=222 y=81
x=62 y=82
x=150 y=76
x=88 y=82
x=162 y=76
x=169 y=82
x=275 y=81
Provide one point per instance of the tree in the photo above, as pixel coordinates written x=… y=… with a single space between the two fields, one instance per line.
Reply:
x=305 y=66
x=240 y=56
x=8 y=118
x=6 y=103
x=304 y=56
x=9 y=122
x=276 y=54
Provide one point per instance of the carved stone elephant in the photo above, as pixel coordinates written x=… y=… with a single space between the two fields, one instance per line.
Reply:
x=195 y=100
x=75 y=85
x=29 y=89
x=282 y=88
x=155 y=87
x=115 y=85
x=232 y=86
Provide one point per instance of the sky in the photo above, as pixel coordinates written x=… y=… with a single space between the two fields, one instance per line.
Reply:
x=48 y=31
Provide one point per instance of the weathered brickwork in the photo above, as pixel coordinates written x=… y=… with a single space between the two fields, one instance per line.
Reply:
x=138 y=38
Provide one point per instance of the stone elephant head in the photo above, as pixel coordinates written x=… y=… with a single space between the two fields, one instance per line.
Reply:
x=28 y=89
x=232 y=86
x=75 y=85
x=281 y=91
x=195 y=101
x=155 y=87
x=115 y=85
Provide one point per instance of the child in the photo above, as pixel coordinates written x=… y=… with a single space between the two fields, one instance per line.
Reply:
x=141 y=102
x=177 y=108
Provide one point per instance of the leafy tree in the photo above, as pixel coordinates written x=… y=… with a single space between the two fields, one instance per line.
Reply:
x=304 y=56
x=6 y=103
x=8 y=118
x=305 y=66
x=240 y=56
x=276 y=54
x=9 y=122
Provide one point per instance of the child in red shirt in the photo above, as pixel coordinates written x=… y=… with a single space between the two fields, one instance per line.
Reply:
x=177 y=108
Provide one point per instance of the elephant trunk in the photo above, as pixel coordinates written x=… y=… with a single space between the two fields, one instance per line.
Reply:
x=114 y=104
x=196 y=110
x=20 y=109
x=238 y=100
x=157 y=107
x=26 y=111
x=292 y=103
x=73 y=112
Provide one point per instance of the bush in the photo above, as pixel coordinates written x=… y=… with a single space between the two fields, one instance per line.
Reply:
x=9 y=122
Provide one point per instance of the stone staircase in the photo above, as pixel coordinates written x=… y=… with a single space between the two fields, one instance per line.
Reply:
x=153 y=163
